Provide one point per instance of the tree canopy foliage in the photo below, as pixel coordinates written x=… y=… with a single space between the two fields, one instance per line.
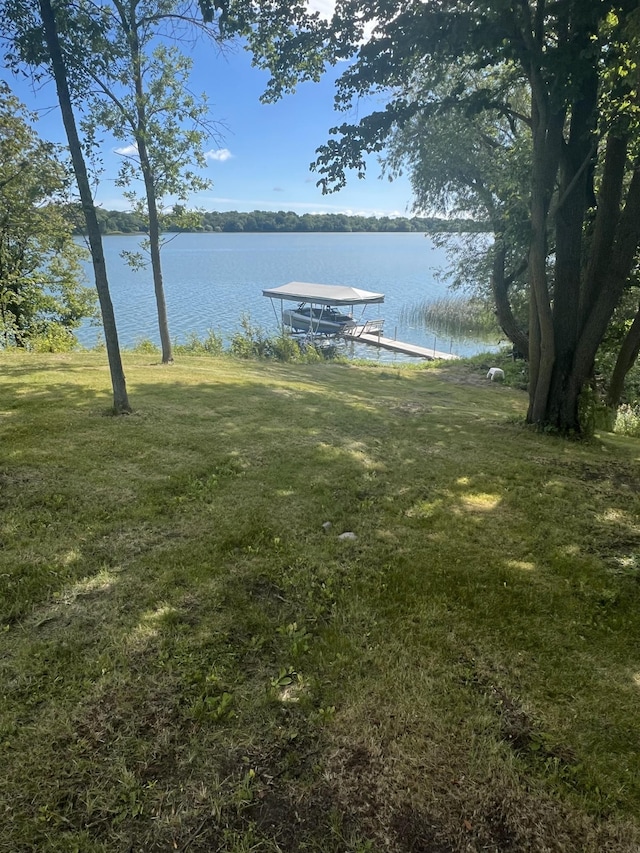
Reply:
x=141 y=95
x=454 y=63
x=119 y=64
x=42 y=298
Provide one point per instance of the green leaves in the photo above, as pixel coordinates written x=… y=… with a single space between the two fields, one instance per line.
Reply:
x=42 y=298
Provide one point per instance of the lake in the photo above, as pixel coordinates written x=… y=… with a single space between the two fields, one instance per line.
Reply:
x=212 y=279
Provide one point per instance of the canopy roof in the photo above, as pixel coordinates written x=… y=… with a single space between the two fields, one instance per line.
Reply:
x=324 y=294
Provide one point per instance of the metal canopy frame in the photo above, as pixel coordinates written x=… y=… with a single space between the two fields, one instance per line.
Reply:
x=323 y=295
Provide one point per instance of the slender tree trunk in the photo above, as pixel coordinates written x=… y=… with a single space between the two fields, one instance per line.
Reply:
x=625 y=361
x=120 y=398
x=152 y=205
x=154 y=248
x=504 y=314
x=609 y=285
x=606 y=222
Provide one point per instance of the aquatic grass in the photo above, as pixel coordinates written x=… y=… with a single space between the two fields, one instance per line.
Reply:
x=192 y=659
x=457 y=317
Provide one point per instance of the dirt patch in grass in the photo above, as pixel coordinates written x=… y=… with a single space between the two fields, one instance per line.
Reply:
x=464 y=374
x=459 y=812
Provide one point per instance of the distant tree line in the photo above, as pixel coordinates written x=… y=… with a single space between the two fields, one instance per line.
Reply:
x=131 y=222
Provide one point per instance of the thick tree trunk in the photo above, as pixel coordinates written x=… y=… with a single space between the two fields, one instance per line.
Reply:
x=614 y=263
x=120 y=398
x=569 y=316
x=562 y=409
x=575 y=174
x=541 y=332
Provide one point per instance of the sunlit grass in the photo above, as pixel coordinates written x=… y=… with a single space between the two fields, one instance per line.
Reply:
x=191 y=658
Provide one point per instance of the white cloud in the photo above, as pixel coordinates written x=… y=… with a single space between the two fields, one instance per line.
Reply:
x=325 y=7
x=127 y=151
x=300 y=207
x=219 y=155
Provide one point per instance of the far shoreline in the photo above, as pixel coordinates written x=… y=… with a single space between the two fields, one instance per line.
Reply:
x=125 y=223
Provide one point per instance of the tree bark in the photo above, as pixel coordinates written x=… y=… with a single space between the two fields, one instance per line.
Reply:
x=614 y=265
x=562 y=409
x=577 y=151
x=547 y=138
x=606 y=222
x=154 y=248
x=626 y=359
x=150 y=192
x=500 y=289
x=614 y=276
x=120 y=397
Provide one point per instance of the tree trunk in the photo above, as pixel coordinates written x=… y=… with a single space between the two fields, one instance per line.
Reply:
x=154 y=248
x=606 y=222
x=120 y=398
x=613 y=266
x=149 y=185
x=562 y=409
x=541 y=332
x=500 y=288
x=625 y=361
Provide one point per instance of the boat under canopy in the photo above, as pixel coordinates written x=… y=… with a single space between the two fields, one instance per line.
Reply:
x=323 y=319
x=323 y=294
x=316 y=312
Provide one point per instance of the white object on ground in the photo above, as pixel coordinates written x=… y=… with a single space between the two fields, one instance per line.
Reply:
x=495 y=374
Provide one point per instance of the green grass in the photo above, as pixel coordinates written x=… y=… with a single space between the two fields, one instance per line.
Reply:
x=189 y=661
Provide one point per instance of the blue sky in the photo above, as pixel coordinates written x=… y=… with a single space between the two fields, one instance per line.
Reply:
x=261 y=161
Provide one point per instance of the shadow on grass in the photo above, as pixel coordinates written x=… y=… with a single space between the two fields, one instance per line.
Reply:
x=193 y=662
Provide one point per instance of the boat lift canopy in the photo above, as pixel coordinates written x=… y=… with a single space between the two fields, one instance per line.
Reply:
x=324 y=294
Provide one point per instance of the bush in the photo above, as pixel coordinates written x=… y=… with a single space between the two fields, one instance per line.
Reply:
x=56 y=338
x=146 y=347
x=211 y=344
x=283 y=348
x=627 y=420
x=253 y=342
x=250 y=342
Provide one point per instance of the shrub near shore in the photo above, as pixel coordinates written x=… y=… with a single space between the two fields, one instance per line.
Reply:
x=191 y=661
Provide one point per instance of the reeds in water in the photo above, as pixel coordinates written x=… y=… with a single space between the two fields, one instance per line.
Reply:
x=455 y=317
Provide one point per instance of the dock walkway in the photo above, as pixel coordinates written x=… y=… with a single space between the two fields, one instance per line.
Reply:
x=376 y=340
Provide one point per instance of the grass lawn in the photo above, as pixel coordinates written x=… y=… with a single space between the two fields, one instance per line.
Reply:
x=192 y=660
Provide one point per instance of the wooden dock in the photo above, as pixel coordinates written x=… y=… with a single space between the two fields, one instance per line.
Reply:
x=377 y=340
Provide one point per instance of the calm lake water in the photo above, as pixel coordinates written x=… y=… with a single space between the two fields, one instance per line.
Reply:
x=212 y=279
